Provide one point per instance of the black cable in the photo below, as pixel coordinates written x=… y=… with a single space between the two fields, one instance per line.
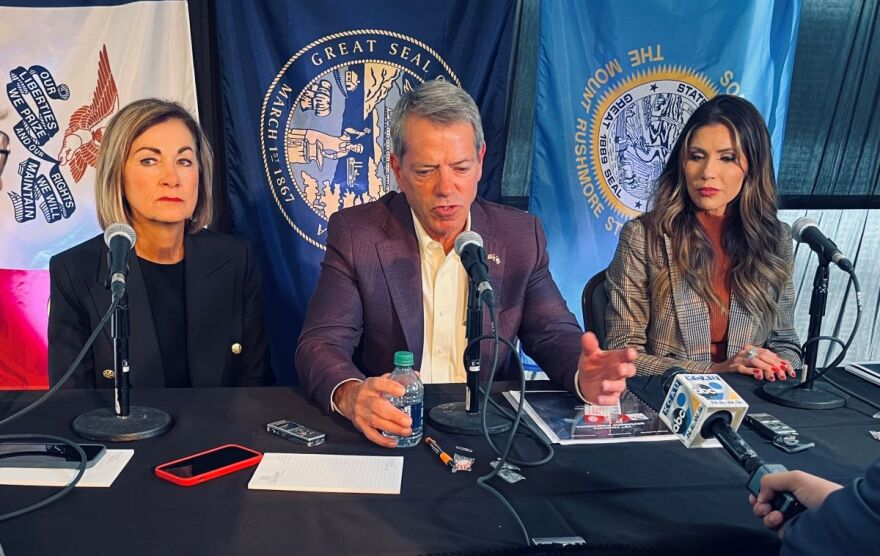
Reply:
x=81 y=469
x=30 y=407
x=504 y=455
x=845 y=347
x=849 y=392
x=482 y=481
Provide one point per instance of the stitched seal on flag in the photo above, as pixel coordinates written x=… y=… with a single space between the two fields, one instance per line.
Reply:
x=325 y=122
x=634 y=127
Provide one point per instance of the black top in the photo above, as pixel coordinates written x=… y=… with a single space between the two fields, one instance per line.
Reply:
x=224 y=317
x=165 y=289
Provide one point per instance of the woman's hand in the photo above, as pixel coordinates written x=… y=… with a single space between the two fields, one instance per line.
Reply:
x=759 y=362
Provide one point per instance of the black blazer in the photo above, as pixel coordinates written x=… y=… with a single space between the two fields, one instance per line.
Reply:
x=223 y=312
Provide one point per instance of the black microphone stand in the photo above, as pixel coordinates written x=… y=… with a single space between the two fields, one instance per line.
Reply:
x=464 y=417
x=808 y=394
x=123 y=422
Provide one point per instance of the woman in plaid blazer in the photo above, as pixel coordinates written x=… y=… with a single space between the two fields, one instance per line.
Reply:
x=703 y=280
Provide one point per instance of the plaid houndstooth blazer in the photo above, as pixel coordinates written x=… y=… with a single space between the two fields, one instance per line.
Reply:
x=676 y=332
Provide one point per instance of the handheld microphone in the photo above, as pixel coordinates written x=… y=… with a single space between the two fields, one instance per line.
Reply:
x=120 y=239
x=469 y=246
x=702 y=406
x=805 y=230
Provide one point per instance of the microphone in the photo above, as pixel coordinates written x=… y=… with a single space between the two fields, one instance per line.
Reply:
x=120 y=239
x=699 y=407
x=469 y=246
x=805 y=230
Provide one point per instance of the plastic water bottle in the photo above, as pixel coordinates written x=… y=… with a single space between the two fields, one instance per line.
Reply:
x=412 y=402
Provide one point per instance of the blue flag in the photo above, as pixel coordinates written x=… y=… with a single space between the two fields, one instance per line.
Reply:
x=308 y=89
x=616 y=83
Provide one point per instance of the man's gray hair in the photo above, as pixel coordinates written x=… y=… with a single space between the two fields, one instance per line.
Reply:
x=438 y=101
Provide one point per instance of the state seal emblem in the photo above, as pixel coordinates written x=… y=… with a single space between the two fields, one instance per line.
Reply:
x=634 y=127
x=325 y=135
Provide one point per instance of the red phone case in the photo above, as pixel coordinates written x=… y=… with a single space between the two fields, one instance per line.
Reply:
x=214 y=473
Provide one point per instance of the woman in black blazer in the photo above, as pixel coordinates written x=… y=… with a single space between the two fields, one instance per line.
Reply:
x=194 y=294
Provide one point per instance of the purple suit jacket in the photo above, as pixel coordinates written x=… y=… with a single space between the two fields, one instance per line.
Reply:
x=368 y=303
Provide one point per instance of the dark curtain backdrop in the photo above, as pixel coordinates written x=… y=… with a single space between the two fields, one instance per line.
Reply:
x=831 y=155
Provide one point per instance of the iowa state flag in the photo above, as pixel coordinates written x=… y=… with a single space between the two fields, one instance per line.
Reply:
x=65 y=71
x=616 y=83
x=308 y=89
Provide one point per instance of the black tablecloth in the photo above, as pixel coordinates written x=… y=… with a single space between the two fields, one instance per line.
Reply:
x=651 y=497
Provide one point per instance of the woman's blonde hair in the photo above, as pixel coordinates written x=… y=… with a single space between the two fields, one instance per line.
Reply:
x=126 y=126
x=752 y=233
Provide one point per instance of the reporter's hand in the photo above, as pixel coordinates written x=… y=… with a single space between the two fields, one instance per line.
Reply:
x=602 y=374
x=371 y=413
x=764 y=365
x=810 y=490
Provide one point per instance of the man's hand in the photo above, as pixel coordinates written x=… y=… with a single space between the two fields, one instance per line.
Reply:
x=602 y=374
x=810 y=490
x=365 y=405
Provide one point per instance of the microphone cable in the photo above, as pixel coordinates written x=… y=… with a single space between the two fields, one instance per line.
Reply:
x=516 y=418
x=9 y=438
x=820 y=372
x=853 y=279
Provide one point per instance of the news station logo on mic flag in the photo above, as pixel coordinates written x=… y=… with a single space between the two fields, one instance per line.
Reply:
x=616 y=83
x=308 y=91
x=65 y=71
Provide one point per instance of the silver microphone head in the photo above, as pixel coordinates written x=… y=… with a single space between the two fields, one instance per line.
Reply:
x=800 y=225
x=467 y=237
x=119 y=228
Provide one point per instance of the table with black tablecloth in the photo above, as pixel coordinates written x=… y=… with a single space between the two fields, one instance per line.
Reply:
x=650 y=497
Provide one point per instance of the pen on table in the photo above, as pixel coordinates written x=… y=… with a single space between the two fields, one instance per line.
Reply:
x=444 y=457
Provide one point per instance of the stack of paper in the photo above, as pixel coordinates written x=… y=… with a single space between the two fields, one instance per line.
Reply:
x=102 y=474
x=329 y=473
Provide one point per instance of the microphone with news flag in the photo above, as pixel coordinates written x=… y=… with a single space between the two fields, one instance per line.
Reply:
x=699 y=407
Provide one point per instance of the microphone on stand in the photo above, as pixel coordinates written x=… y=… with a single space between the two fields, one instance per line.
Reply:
x=466 y=417
x=806 y=230
x=122 y=422
x=808 y=394
x=120 y=239
x=699 y=407
x=469 y=247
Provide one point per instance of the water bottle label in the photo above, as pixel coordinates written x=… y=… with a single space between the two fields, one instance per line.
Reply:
x=415 y=413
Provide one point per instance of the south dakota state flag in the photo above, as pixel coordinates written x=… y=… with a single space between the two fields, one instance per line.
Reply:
x=308 y=89
x=616 y=83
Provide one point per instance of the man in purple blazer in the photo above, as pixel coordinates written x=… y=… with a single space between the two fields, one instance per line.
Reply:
x=390 y=280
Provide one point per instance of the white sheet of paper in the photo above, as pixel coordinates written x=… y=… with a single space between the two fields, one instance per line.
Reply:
x=102 y=474
x=329 y=473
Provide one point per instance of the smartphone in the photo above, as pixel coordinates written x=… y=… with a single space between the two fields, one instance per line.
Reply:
x=295 y=432
x=49 y=455
x=204 y=466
